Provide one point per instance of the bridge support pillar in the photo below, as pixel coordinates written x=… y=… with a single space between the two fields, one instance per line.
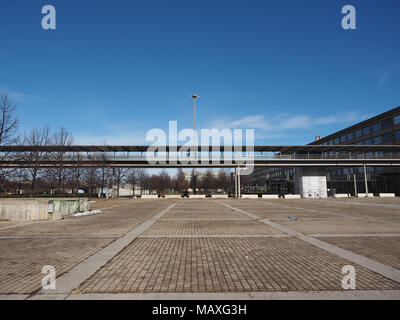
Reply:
x=310 y=182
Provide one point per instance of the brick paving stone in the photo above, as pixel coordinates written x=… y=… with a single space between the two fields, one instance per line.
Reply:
x=22 y=260
x=210 y=227
x=340 y=226
x=225 y=265
x=383 y=250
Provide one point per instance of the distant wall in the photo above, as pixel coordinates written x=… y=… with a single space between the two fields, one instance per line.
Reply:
x=39 y=209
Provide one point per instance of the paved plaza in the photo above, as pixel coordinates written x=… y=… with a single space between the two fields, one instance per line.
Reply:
x=206 y=249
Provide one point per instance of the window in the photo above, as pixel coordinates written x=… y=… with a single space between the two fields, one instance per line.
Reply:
x=388 y=137
x=376 y=127
x=397 y=119
x=337 y=141
x=350 y=136
x=368 y=141
x=366 y=131
x=359 y=143
x=378 y=140
x=387 y=123
x=398 y=134
x=358 y=133
x=343 y=139
x=331 y=142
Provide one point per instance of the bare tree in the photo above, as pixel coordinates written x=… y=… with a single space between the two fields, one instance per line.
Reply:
x=143 y=180
x=8 y=129
x=37 y=138
x=181 y=184
x=132 y=179
x=8 y=122
x=120 y=175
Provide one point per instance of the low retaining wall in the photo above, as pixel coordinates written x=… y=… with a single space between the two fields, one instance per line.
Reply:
x=270 y=196
x=40 y=209
x=364 y=195
x=387 y=195
x=68 y=206
x=173 y=196
x=249 y=196
x=341 y=195
x=197 y=196
x=149 y=196
x=292 y=196
x=219 y=196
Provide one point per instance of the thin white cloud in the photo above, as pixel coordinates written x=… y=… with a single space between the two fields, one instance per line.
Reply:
x=133 y=138
x=384 y=78
x=280 y=123
x=18 y=96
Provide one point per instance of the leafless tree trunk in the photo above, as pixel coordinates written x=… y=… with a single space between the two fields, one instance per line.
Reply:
x=39 y=138
x=8 y=129
x=132 y=179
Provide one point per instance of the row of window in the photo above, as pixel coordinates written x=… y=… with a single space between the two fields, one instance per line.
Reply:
x=386 y=123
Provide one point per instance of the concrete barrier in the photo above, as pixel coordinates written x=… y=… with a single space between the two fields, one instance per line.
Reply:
x=149 y=196
x=40 y=209
x=387 y=195
x=219 y=196
x=292 y=196
x=270 y=196
x=364 y=195
x=173 y=196
x=249 y=196
x=197 y=196
x=68 y=206
x=341 y=195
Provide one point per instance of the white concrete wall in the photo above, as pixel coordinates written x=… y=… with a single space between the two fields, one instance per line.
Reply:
x=311 y=182
x=197 y=196
x=173 y=196
x=270 y=196
x=149 y=196
x=249 y=196
x=40 y=209
x=292 y=196
x=219 y=196
x=364 y=195
x=341 y=195
x=387 y=195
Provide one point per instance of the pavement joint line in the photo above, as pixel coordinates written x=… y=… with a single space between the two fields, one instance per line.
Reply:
x=291 y=295
x=219 y=236
x=367 y=218
x=73 y=278
x=351 y=235
x=384 y=270
x=21 y=225
x=57 y=237
x=364 y=204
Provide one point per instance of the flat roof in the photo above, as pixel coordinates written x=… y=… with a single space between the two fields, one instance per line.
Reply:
x=260 y=148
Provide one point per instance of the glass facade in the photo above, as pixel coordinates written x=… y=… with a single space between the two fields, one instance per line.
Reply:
x=387 y=123
x=378 y=140
x=397 y=119
x=376 y=127
x=388 y=137
x=350 y=136
x=366 y=131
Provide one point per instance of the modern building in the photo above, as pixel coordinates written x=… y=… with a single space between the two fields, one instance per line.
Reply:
x=381 y=129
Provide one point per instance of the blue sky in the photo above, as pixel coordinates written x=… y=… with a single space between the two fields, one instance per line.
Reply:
x=112 y=70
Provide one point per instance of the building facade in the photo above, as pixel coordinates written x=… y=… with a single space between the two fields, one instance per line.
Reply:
x=381 y=129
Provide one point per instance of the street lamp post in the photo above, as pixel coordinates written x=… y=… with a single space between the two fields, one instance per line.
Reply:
x=194 y=97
